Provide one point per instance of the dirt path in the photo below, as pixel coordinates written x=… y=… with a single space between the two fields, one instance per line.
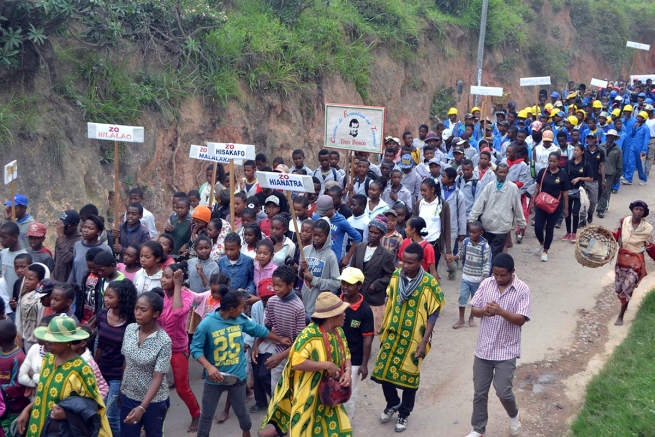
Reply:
x=569 y=337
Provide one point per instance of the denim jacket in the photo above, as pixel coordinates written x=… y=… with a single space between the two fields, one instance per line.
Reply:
x=241 y=273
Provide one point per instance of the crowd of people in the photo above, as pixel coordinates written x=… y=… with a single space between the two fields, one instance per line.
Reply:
x=285 y=311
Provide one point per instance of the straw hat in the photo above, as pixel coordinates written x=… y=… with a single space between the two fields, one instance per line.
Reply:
x=328 y=305
x=61 y=329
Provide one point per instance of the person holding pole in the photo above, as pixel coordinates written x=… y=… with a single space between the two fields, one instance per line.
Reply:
x=22 y=218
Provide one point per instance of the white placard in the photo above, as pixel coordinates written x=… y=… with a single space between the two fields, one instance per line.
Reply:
x=532 y=81
x=11 y=172
x=351 y=127
x=232 y=151
x=638 y=46
x=285 y=181
x=115 y=132
x=205 y=153
x=642 y=77
x=487 y=91
x=599 y=83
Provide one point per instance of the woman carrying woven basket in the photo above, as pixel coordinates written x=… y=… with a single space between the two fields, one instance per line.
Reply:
x=634 y=237
x=308 y=400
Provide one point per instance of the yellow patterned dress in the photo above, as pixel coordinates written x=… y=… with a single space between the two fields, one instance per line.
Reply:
x=296 y=407
x=403 y=328
x=73 y=378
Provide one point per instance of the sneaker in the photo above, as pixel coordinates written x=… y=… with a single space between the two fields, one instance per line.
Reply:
x=567 y=237
x=643 y=182
x=387 y=414
x=519 y=237
x=544 y=256
x=590 y=218
x=401 y=424
x=574 y=238
x=624 y=181
x=515 y=425
x=615 y=191
x=558 y=224
x=601 y=214
x=475 y=434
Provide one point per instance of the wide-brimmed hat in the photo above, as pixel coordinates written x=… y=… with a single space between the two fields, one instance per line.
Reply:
x=643 y=205
x=328 y=305
x=61 y=329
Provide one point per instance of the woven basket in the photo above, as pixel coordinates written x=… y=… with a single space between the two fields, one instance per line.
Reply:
x=595 y=247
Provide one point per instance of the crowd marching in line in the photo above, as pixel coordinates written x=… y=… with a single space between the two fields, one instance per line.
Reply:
x=91 y=335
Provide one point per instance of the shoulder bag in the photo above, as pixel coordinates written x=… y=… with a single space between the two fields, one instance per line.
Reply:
x=329 y=389
x=545 y=201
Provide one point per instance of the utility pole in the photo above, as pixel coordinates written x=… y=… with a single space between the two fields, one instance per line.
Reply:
x=483 y=31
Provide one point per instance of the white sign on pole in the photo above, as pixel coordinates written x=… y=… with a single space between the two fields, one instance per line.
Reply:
x=638 y=46
x=642 y=77
x=352 y=127
x=232 y=151
x=599 y=83
x=204 y=153
x=486 y=91
x=532 y=81
x=285 y=181
x=11 y=172
x=115 y=132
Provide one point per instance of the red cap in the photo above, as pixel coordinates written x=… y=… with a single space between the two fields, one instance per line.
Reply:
x=36 y=230
x=265 y=288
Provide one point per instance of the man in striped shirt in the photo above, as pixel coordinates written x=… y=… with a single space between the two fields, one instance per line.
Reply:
x=503 y=304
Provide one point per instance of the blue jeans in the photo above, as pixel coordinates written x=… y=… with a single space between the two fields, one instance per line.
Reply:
x=113 y=412
x=152 y=420
x=467 y=290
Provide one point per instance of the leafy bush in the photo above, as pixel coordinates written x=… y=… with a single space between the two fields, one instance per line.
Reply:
x=442 y=100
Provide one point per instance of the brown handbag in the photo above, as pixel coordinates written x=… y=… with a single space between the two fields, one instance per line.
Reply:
x=545 y=201
x=329 y=389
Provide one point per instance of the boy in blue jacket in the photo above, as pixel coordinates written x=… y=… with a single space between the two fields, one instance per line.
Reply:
x=218 y=346
x=338 y=224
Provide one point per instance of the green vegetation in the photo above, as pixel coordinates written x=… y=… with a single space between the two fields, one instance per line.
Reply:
x=17 y=112
x=442 y=100
x=279 y=46
x=549 y=61
x=620 y=400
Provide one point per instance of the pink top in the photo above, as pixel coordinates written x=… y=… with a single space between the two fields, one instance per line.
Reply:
x=263 y=272
x=174 y=321
x=206 y=304
x=168 y=262
x=121 y=268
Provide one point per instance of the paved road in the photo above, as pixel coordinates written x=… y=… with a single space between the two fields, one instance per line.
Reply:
x=559 y=287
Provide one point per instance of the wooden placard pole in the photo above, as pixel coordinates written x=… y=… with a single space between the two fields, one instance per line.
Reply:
x=352 y=167
x=213 y=189
x=347 y=166
x=233 y=219
x=483 y=122
x=115 y=133
x=296 y=224
x=536 y=98
x=116 y=185
x=13 y=201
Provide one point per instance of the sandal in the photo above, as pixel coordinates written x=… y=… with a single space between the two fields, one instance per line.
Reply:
x=256 y=408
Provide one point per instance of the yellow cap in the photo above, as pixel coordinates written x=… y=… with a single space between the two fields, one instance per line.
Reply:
x=534 y=110
x=548 y=106
x=643 y=114
x=627 y=108
x=522 y=114
x=452 y=111
x=573 y=120
x=351 y=275
x=572 y=95
x=616 y=112
x=597 y=104
x=584 y=114
x=475 y=108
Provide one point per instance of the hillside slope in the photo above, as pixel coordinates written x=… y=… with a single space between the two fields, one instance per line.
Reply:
x=260 y=72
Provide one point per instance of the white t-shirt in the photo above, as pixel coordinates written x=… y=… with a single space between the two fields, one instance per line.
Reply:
x=541 y=154
x=369 y=253
x=431 y=213
x=651 y=125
